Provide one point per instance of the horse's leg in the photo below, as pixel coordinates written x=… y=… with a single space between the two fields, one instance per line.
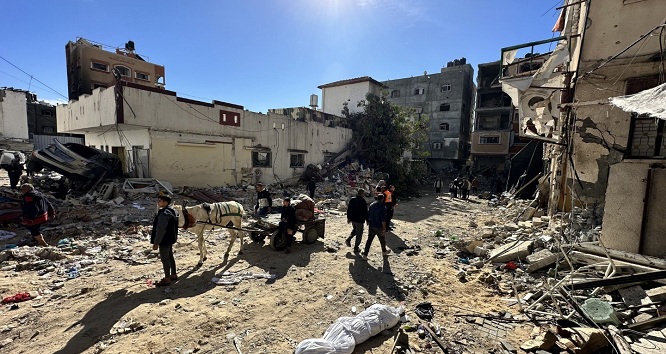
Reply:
x=232 y=239
x=241 y=234
x=202 y=247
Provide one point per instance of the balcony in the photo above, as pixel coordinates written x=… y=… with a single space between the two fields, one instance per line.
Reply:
x=491 y=142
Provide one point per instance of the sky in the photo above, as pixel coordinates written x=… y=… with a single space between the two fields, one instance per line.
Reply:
x=265 y=54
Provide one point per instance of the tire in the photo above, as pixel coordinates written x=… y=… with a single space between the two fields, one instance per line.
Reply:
x=257 y=237
x=279 y=240
x=310 y=235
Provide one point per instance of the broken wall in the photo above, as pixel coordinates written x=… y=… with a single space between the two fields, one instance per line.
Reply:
x=13 y=114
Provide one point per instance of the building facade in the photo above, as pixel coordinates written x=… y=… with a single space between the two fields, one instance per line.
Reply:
x=602 y=157
x=90 y=66
x=446 y=98
x=13 y=113
x=344 y=95
x=192 y=143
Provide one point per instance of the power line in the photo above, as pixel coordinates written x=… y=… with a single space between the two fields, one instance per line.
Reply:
x=32 y=77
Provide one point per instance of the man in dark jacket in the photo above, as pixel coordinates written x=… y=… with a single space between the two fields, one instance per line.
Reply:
x=14 y=171
x=288 y=222
x=377 y=226
x=36 y=211
x=312 y=185
x=163 y=236
x=264 y=200
x=357 y=214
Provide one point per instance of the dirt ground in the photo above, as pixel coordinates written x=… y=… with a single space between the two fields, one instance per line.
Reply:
x=313 y=286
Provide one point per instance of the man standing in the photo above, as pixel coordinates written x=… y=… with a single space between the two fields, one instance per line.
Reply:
x=390 y=202
x=14 y=171
x=466 y=184
x=475 y=186
x=287 y=222
x=438 y=186
x=312 y=185
x=357 y=214
x=36 y=211
x=264 y=200
x=377 y=226
x=163 y=236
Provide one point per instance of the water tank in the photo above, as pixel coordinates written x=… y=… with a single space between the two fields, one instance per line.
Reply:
x=456 y=62
x=449 y=64
x=314 y=101
x=463 y=61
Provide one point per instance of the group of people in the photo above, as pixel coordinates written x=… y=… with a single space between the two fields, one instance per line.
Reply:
x=378 y=217
x=460 y=187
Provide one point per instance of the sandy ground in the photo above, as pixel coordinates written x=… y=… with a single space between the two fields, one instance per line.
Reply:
x=312 y=288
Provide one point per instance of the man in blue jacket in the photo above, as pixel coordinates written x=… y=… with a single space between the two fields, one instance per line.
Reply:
x=357 y=214
x=377 y=226
x=163 y=236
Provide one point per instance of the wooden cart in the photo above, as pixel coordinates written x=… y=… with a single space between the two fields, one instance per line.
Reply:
x=268 y=226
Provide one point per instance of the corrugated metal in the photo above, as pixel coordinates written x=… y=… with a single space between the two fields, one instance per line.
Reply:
x=42 y=141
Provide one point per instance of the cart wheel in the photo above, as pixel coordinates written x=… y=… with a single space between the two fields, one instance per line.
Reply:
x=310 y=235
x=256 y=236
x=279 y=240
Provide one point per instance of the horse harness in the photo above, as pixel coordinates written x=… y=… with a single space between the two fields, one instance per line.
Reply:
x=190 y=220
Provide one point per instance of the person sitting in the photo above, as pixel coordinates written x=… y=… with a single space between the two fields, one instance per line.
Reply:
x=264 y=200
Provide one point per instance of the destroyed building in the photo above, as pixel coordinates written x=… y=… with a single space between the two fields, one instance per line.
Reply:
x=25 y=118
x=600 y=156
x=496 y=145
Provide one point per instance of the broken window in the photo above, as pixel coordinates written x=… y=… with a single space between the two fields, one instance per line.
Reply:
x=395 y=93
x=46 y=112
x=297 y=160
x=444 y=126
x=527 y=67
x=446 y=87
x=261 y=159
x=444 y=107
x=419 y=91
x=123 y=70
x=436 y=146
x=48 y=130
x=646 y=139
x=489 y=139
x=142 y=76
x=99 y=66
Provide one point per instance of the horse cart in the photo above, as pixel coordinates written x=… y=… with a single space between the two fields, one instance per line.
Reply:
x=268 y=226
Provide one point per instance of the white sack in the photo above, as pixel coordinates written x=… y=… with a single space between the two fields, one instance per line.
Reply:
x=343 y=335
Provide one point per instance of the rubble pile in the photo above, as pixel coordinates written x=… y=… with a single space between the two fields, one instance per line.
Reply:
x=556 y=269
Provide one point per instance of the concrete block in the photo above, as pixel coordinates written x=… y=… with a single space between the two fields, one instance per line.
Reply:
x=634 y=296
x=511 y=227
x=472 y=245
x=540 y=259
x=527 y=214
x=657 y=294
x=509 y=252
x=487 y=232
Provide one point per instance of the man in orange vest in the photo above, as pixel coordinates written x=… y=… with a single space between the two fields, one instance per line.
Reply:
x=390 y=202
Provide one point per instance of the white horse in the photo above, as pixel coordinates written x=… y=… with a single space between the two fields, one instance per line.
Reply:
x=229 y=214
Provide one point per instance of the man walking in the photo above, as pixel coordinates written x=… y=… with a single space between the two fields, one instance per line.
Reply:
x=264 y=200
x=287 y=222
x=357 y=214
x=163 y=236
x=377 y=226
x=312 y=185
x=36 y=211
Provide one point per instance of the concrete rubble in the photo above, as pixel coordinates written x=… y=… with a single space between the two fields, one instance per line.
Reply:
x=531 y=258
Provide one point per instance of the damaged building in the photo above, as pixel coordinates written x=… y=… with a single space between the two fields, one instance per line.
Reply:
x=600 y=156
x=193 y=143
x=446 y=98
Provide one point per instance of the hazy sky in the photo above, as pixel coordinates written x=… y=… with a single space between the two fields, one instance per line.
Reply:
x=266 y=53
